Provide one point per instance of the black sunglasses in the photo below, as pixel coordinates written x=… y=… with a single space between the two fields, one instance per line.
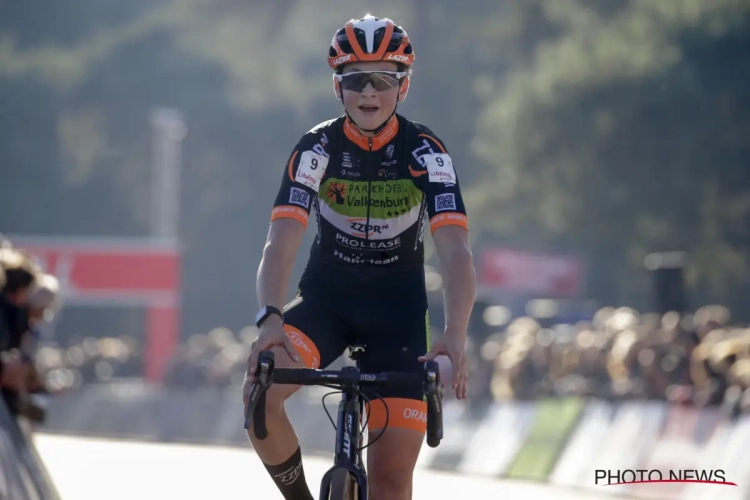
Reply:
x=356 y=81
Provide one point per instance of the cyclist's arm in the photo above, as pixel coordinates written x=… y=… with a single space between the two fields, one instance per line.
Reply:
x=275 y=269
x=456 y=261
x=449 y=227
x=299 y=188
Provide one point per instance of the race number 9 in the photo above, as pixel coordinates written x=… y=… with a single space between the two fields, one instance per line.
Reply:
x=311 y=169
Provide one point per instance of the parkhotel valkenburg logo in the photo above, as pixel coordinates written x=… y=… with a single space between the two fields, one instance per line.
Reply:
x=614 y=477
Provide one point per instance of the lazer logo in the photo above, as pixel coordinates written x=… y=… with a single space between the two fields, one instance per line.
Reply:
x=397 y=58
x=342 y=59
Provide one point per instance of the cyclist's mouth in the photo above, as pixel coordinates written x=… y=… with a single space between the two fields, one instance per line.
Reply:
x=368 y=110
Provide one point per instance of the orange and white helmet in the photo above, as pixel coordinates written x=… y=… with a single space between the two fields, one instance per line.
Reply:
x=370 y=39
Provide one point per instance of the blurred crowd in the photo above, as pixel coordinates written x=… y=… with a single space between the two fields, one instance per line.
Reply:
x=697 y=359
x=88 y=360
x=28 y=298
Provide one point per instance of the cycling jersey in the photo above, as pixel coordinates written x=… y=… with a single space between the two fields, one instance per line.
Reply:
x=373 y=196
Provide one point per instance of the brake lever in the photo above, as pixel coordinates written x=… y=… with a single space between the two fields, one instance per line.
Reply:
x=255 y=412
x=434 y=393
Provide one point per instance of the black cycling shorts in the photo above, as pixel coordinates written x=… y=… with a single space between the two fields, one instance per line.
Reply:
x=392 y=322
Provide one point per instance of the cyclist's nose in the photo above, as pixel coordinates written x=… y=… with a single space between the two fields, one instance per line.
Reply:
x=369 y=90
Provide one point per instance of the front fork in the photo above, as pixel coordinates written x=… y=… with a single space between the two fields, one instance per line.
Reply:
x=349 y=441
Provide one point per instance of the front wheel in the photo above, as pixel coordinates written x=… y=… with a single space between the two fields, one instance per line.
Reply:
x=343 y=486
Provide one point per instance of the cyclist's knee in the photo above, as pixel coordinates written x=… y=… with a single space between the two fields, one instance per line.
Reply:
x=389 y=488
x=277 y=394
x=391 y=461
x=387 y=481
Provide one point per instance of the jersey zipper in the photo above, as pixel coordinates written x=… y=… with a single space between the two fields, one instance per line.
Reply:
x=369 y=187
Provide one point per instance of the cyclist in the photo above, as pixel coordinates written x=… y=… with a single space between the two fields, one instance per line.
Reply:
x=376 y=180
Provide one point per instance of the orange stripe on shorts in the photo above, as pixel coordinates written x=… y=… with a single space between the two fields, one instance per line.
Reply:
x=402 y=413
x=306 y=349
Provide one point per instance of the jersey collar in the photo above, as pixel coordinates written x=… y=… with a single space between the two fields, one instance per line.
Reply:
x=378 y=141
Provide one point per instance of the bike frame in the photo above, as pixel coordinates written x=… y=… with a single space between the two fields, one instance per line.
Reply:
x=348 y=451
x=349 y=382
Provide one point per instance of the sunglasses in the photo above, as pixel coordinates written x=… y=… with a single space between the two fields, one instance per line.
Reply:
x=356 y=81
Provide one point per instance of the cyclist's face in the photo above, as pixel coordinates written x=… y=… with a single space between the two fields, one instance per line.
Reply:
x=369 y=106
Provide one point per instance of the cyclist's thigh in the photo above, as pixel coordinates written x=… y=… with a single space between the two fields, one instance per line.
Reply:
x=315 y=330
x=395 y=339
x=315 y=334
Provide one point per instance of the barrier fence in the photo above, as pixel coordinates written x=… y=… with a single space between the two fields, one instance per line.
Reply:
x=560 y=441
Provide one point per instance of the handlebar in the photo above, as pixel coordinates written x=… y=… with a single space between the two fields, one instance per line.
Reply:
x=266 y=375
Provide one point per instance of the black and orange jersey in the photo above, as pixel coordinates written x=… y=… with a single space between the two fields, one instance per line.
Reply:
x=373 y=196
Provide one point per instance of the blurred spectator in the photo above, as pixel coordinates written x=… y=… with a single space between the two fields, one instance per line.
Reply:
x=16 y=366
x=697 y=360
x=20 y=273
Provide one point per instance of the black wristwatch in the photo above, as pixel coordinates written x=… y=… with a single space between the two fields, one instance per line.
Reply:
x=264 y=313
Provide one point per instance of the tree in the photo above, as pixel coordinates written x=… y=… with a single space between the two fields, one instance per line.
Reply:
x=626 y=135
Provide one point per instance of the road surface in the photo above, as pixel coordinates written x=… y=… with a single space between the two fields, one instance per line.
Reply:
x=97 y=469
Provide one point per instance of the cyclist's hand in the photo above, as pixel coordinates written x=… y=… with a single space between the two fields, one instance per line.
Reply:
x=271 y=334
x=453 y=345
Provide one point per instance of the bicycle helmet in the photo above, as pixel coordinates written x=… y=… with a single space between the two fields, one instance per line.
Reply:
x=370 y=39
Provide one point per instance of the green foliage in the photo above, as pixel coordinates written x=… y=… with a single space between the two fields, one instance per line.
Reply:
x=607 y=128
x=615 y=140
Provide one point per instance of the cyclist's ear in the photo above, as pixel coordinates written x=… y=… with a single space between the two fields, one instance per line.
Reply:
x=336 y=88
x=403 y=89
